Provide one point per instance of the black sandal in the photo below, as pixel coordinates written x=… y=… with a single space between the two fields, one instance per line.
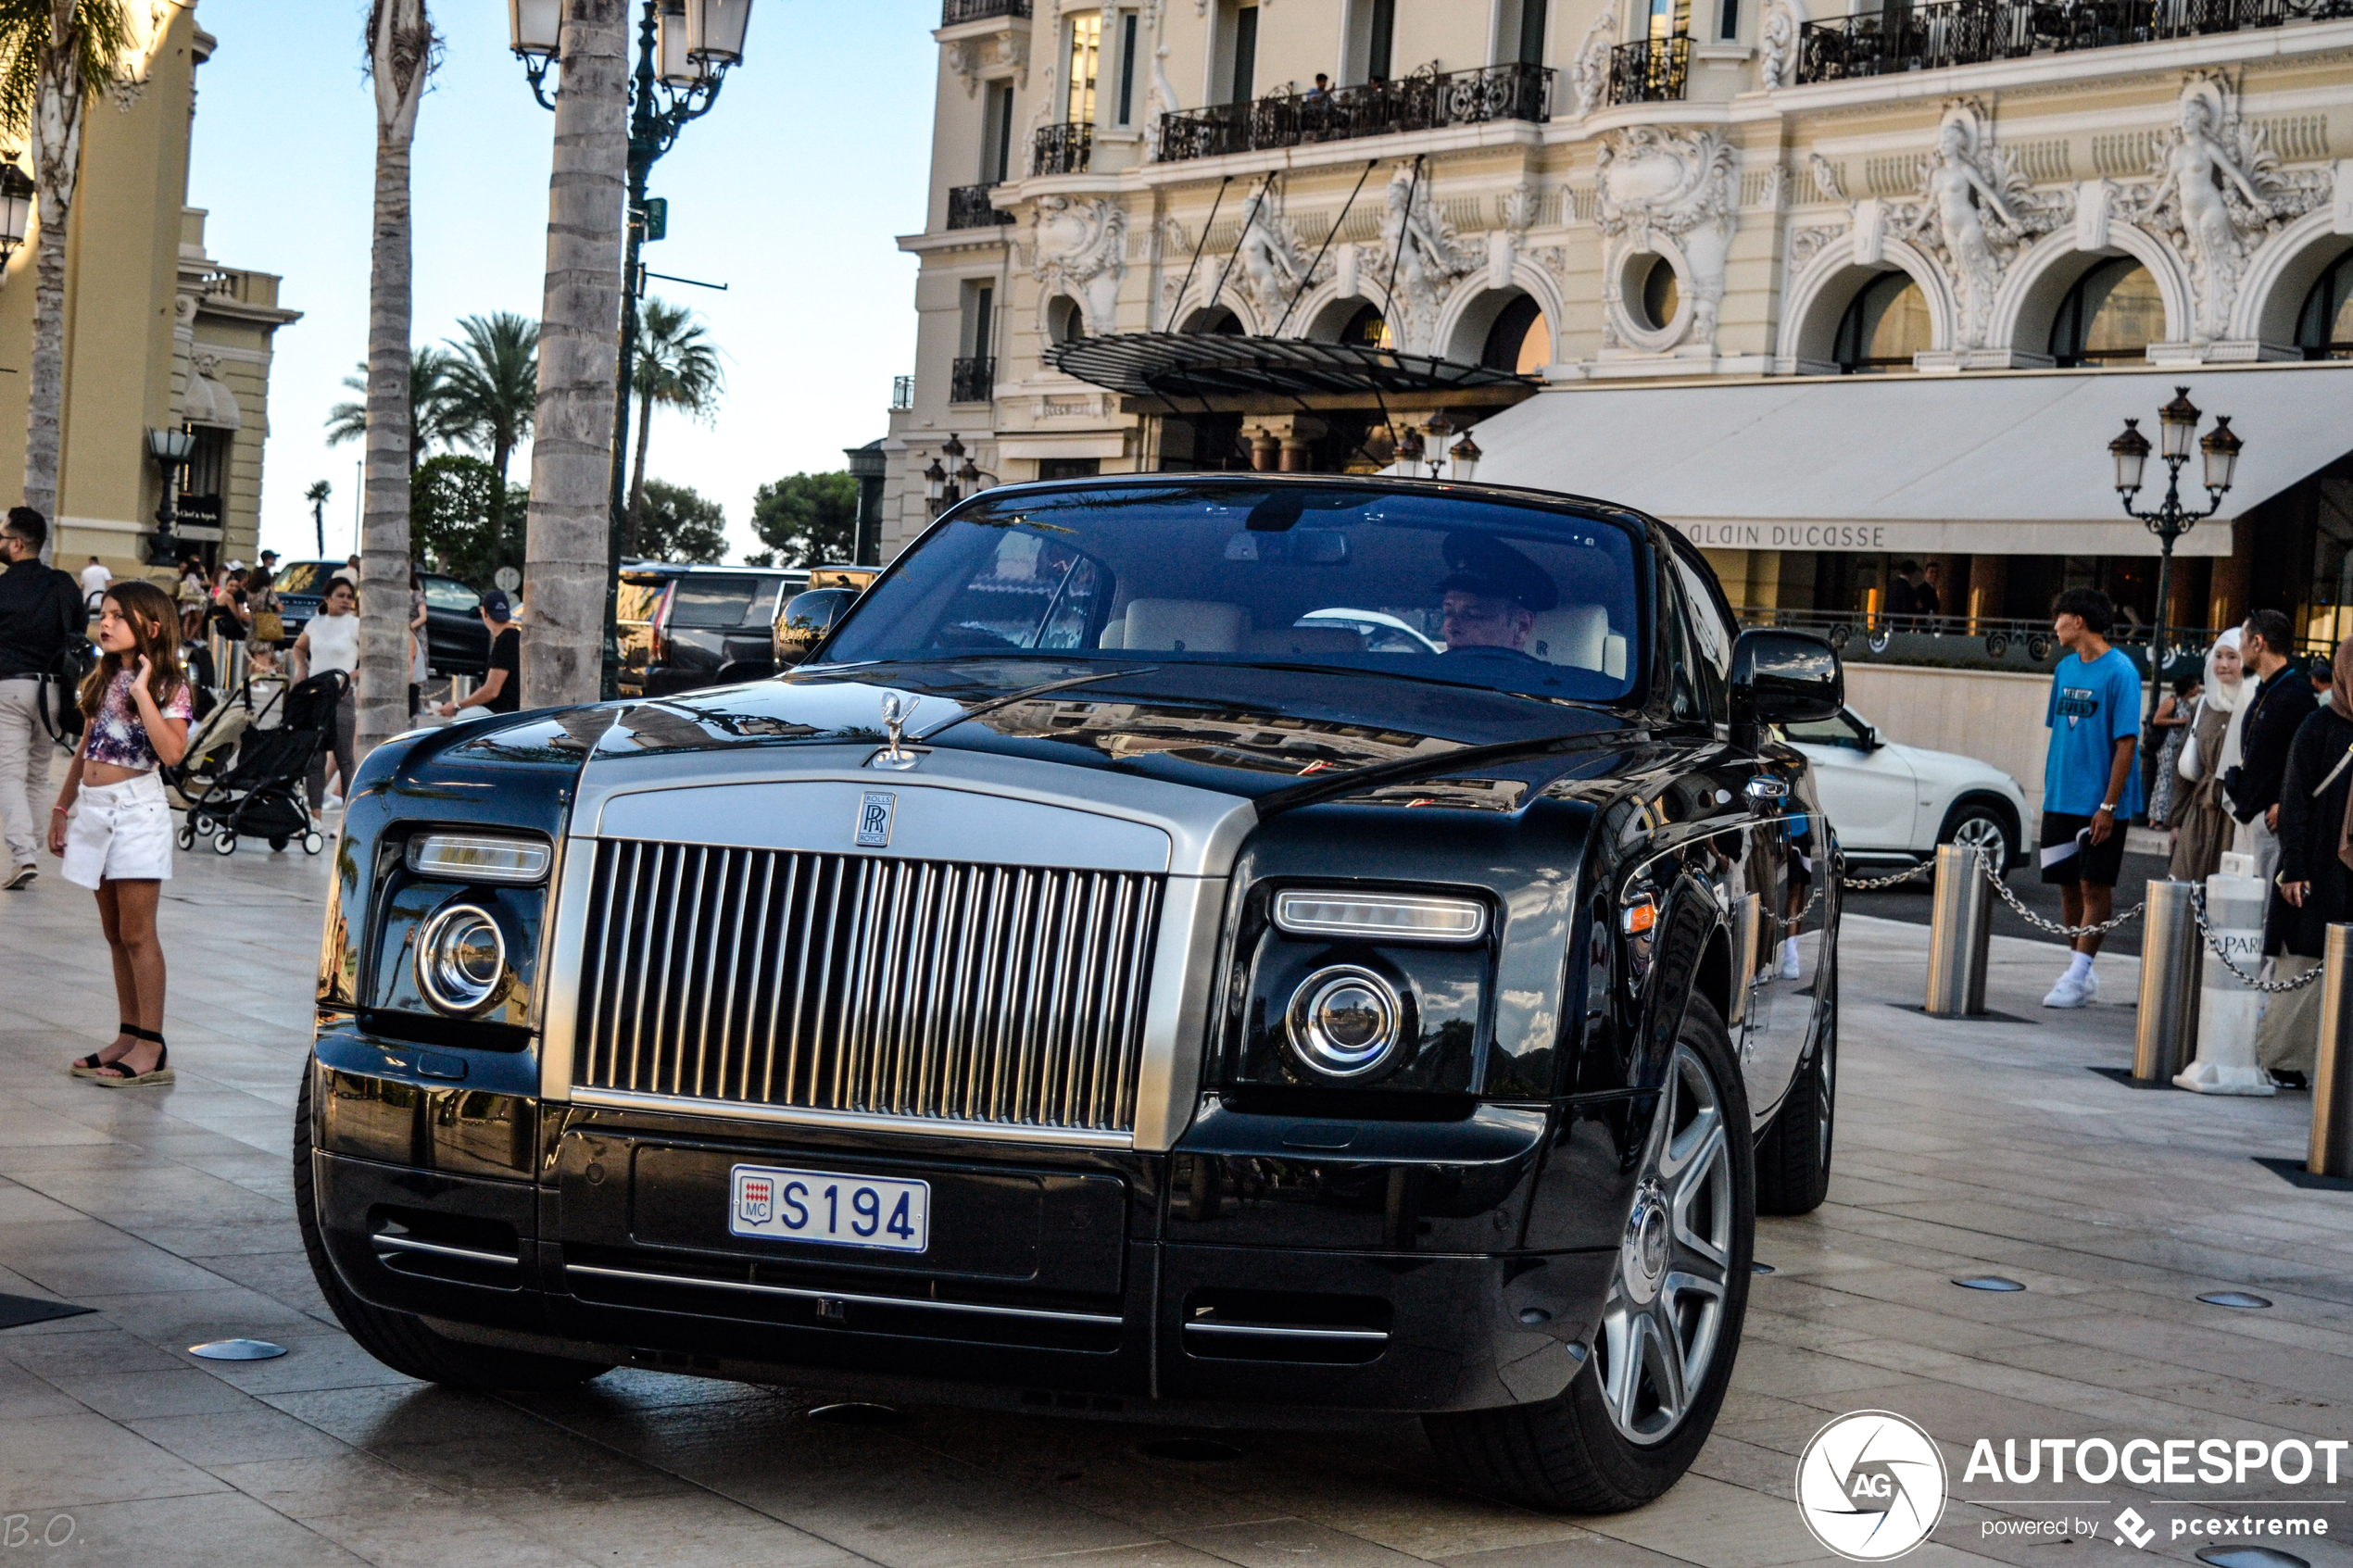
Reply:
x=154 y=1077
x=87 y=1066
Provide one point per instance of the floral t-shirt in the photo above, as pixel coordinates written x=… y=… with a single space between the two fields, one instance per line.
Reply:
x=117 y=735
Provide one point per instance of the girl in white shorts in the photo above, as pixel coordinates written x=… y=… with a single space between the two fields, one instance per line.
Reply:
x=135 y=710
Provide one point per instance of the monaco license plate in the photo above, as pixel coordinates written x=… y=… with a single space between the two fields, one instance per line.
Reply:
x=836 y=1210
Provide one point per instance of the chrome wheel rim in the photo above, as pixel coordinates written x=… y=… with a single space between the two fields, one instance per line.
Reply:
x=1660 y=1327
x=1984 y=832
x=1826 y=1067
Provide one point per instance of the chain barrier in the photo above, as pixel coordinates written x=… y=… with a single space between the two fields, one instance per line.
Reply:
x=2031 y=917
x=1873 y=884
x=2269 y=987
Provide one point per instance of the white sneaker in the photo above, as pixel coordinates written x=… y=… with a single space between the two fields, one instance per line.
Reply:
x=2073 y=992
x=1789 y=963
x=22 y=876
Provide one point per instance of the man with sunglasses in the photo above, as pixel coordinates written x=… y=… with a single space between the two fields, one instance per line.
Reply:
x=39 y=610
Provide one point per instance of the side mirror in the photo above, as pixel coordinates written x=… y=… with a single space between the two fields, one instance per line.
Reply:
x=806 y=621
x=1785 y=678
x=1873 y=740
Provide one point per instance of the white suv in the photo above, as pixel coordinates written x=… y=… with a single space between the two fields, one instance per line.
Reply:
x=1897 y=803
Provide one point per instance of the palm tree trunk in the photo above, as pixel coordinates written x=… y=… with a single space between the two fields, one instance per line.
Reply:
x=637 y=483
x=568 y=546
x=501 y=450
x=399 y=47
x=57 y=113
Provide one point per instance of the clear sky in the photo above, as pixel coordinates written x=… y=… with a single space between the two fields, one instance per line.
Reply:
x=790 y=191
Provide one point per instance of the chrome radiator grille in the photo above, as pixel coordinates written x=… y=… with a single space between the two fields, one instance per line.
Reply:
x=995 y=994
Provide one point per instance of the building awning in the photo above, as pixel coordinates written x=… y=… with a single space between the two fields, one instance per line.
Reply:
x=2002 y=464
x=1195 y=366
x=210 y=403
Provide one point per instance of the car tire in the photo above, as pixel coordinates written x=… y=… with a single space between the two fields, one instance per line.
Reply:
x=1794 y=1157
x=1587 y=1450
x=1979 y=825
x=401 y=1340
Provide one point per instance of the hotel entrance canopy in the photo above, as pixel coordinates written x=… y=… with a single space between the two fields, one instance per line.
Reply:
x=2003 y=463
x=1231 y=370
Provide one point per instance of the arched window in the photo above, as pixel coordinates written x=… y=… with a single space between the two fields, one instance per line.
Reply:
x=1215 y=318
x=1519 y=340
x=1065 y=323
x=2113 y=312
x=2324 y=327
x=1884 y=328
x=1367 y=328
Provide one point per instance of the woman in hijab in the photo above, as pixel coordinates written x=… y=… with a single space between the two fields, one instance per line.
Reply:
x=2315 y=884
x=2201 y=824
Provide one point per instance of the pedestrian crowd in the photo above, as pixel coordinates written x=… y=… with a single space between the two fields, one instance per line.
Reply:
x=114 y=672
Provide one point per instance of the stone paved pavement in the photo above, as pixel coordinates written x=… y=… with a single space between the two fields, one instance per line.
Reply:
x=1963 y=1148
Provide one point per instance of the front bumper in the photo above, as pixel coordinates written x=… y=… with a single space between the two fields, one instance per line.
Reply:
x=1078 y=1279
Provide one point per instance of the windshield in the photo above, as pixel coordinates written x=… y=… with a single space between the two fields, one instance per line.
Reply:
x=303 y=576
x=1438 y=586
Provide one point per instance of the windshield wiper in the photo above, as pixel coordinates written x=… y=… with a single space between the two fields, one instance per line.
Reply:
x=1025 y=694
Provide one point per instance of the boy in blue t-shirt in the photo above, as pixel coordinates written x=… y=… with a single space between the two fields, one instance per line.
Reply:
x=2089 y=786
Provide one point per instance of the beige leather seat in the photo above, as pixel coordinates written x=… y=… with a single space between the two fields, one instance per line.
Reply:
x=1303 y=640
x=1114 y=635
x=1576 y=634
x=1184 y=626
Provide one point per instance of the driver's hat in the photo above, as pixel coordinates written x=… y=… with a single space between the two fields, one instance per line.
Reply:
x=1492 y=569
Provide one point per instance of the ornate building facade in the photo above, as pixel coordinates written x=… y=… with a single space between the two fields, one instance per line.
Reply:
x=1835 y=293
x=158 y=334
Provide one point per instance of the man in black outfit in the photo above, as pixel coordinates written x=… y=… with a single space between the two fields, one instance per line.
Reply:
x=2276 y=710
x=501 y=688
x=40 y=609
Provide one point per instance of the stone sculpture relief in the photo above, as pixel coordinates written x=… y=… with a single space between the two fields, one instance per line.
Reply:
x=1777 y=44
x=1079 y=247
x=1826 y=179
x=1656 y=181
x=1975 y=214
x=1589 y=73
x=2217 y=192
x=1420 y=259
x=1272 y=264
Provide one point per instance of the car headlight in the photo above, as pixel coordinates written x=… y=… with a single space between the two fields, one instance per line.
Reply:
x=1344 y=1022
x=462 y=959
x=1379 y=917
x=465 y=856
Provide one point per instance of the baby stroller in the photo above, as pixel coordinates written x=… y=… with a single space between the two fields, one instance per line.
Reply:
x=260 y=794
x=212 y=741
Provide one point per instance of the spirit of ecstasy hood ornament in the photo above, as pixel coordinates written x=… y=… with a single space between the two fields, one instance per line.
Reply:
x=895 y=714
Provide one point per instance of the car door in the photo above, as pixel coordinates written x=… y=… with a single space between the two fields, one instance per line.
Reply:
x=1868 y=790
x=459 y=642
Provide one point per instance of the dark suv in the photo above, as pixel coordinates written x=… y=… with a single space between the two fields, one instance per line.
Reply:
x=712 y=625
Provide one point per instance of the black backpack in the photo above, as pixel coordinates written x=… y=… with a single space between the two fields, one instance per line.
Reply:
x=61 y=682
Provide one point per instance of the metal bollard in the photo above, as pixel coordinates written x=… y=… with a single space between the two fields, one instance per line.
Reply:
x=2169 y=983
x=2332 y=1152
x=1959 y=921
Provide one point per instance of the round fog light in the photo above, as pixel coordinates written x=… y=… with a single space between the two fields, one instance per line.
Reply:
x=462 y=958
x=1344 y=1022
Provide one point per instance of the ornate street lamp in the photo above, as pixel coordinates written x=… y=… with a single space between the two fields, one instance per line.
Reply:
x=16 y=209
x=1467 y=455
x=171 y=450
x=936 y=488
x=685 y=48
x=1439 y=428
x=2177 y=426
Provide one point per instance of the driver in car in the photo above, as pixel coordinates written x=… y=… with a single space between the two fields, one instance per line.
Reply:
x=1492 y=596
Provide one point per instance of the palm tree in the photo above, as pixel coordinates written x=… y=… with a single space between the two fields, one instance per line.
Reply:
x=568 y=553
x=432 y=416
x=402 y=51
x=493 y=388
x=317 y=496
x=677 y=368
x=57 y=54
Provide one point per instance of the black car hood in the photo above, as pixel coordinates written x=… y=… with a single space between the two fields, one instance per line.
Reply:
x=1240 y=729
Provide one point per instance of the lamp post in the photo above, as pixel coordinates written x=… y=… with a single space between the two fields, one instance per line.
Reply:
x=17 y=192
x=2177 y=425
x=943 y=488
x=170 y=449
x=1467 y=455
x=685 y=48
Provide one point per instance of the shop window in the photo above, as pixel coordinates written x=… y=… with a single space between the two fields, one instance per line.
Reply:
x=1884 y=328
x=2324 y=328
x=1519 y=340
x=2113 y=312
x=1367 y=328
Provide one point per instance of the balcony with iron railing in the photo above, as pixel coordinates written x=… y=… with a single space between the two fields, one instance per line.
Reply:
x=903 y=392
x=1062 y=149
x=1650 y=70
x=954 y=11
x=1958 y=32
x=969 y=207
x=972 y=378
x=1428 y=100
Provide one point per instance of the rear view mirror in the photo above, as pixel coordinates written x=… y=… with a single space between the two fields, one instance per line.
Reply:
x=806 y=621
x=1785 y=678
